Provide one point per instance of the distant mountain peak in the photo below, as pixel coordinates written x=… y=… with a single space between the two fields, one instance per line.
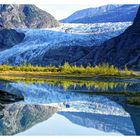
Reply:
x=106 y=13
x=121 y=51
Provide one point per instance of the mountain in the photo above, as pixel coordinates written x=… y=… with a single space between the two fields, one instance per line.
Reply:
x=25 y=16
x=107 y=13
x=119 y=51
x=106 y=123
x=55 y=46
x=76 y=44
x=20 y=117
x=9 y=38
x=88 y=110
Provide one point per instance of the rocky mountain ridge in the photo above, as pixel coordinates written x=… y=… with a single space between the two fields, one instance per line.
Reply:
x=121 y=51
x=102 y=14
x=25 y=16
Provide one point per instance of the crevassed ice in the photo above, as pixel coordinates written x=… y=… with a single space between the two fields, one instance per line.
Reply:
x=39 y=41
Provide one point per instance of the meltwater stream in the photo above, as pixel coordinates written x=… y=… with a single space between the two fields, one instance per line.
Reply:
x=51 y=110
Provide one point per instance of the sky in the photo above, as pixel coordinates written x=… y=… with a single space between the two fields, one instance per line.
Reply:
x=63 y=8
x=60 y=11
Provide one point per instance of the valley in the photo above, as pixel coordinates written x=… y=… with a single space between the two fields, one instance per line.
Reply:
x=76 y=76
x=55 y=46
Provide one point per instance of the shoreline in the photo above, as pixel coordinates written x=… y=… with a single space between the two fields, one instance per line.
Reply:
x=38 y=75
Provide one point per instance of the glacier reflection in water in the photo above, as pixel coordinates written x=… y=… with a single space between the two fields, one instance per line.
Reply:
x=86 y=112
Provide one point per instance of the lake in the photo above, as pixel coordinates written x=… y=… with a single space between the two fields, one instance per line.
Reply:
x=71 y=107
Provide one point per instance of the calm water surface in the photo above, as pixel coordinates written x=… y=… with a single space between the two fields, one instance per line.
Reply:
x=70 y=108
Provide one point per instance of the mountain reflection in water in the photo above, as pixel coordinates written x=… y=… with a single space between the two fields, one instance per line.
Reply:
x=94 y=111
x=107 y=123
x=17 y=118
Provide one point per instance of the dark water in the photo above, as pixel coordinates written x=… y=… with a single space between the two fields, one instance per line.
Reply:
x=61 y=107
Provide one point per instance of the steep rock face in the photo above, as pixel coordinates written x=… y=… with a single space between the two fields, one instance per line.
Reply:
x=102 y=14
x=119 y=51
x=9 y=38
x=25 y=16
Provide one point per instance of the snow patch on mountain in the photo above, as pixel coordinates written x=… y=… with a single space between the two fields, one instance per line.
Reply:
x=96 y=28
x=102 y=14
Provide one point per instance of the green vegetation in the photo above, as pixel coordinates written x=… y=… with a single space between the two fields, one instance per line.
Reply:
x=127 y=72
x=97 y=85
x=65 y=83
x=104 y=69
x=103 y=86
x=65 y=75
x=74 y=77
x=133 y=100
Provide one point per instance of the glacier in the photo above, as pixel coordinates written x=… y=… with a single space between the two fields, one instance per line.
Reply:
x=38 y=42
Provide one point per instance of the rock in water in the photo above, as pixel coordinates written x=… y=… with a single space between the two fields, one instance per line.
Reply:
x=6 y=97
x=25 y=16
x=9 y=38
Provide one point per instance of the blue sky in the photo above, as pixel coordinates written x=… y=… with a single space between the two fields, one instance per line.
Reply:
x=60 y=11
x=63 y=8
